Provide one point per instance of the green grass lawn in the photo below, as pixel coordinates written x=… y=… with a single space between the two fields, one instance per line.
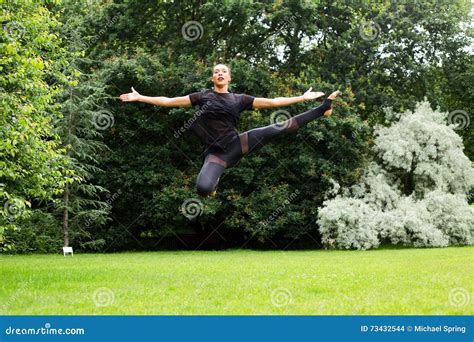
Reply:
x=384 y=281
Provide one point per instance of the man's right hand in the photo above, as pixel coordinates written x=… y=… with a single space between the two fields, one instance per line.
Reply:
x=130 y=97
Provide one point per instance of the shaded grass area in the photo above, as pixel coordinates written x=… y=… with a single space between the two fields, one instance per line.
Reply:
x=384 y=281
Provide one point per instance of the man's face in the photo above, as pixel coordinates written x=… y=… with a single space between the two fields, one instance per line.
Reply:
x=220 y=75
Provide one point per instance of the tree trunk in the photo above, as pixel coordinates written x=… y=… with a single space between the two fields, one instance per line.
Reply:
x=66 y=216
x=66 y=188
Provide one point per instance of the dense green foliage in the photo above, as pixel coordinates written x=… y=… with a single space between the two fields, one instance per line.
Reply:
x=388 y=53
x=32 y=164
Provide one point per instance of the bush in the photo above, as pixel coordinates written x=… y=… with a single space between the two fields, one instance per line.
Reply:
x=40 y=233
x=414 y=195
x=452 y=215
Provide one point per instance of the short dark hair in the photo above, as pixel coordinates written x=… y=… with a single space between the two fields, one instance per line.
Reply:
x=228 y=67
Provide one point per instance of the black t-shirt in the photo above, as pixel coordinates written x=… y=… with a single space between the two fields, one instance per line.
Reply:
x=216 y=121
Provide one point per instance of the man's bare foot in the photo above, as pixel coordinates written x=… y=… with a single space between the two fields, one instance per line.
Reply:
x=331 y=97
x=334 y=94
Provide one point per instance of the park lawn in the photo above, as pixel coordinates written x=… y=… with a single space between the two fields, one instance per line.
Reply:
x=385 y=281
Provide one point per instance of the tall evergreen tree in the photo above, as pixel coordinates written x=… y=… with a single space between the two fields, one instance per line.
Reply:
x=83 y=206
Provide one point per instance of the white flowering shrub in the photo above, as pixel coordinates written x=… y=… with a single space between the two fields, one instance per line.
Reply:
x=451 y=215
x=425 y=153
x=410 y=225
x=345 y=223
x=414 y=194
x=378 y=187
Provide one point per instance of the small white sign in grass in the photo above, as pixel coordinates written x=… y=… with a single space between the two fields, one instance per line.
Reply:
x=68 y=250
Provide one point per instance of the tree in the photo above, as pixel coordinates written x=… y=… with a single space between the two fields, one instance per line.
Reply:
x=388 y=53
x=32 y=163
x=414 y=193
x=82 y=205
x=80 y=131
x=274 y=49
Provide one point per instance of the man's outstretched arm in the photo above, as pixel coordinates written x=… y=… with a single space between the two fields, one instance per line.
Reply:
x=180 y=101
x=261 y=102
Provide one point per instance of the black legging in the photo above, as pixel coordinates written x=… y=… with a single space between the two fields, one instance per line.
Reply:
x=217 y=160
